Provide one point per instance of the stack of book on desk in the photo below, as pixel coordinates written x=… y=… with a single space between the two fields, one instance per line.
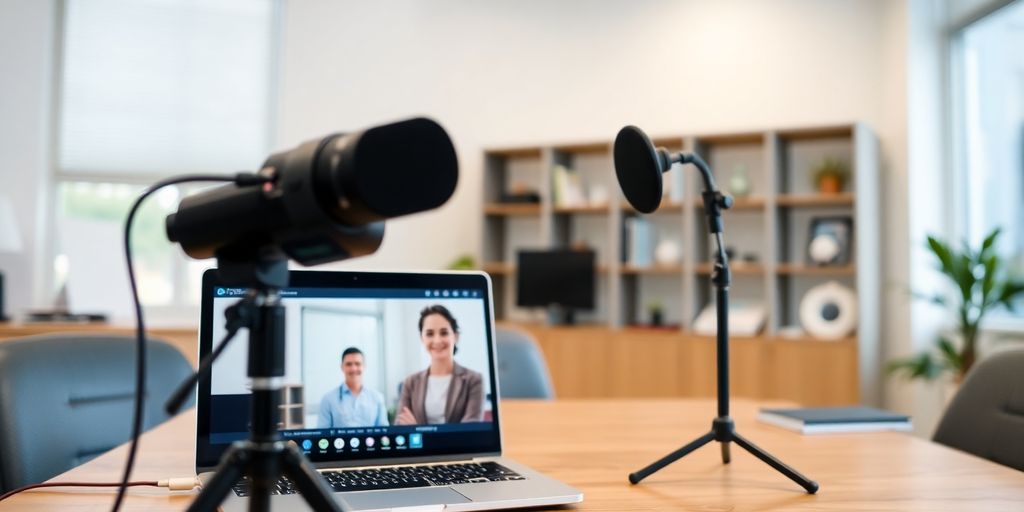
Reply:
x=819 y=420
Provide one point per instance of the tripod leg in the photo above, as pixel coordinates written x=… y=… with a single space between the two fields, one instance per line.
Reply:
x=810 y=485
x=635 y=478
x=309 y=483
x=214 y=491
x=726 y=457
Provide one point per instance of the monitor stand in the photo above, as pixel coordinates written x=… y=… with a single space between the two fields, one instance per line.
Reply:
x=561 y=315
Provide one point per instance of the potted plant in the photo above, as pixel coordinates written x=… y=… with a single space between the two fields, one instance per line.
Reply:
x=656 y=311
x=830 y=176
x=983 y=282
x=463 y=262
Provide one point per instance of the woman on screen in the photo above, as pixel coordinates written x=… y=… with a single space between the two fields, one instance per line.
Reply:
x=445 y=392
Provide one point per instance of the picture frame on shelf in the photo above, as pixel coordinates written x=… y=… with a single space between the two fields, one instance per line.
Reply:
x=830 y=240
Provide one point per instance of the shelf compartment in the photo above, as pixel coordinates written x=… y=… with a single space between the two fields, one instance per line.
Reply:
x=734 y=267
x=740 y=203
x=800 y=269
x=796 y=200
x=515 y=152
x=666 y=207
x=586 y=209
x=511 y=209
x=652 y=270
x=818 y=132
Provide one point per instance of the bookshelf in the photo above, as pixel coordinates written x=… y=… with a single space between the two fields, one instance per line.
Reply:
x=767 y=230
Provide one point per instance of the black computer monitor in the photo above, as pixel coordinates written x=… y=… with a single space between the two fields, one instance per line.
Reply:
x=562 y=278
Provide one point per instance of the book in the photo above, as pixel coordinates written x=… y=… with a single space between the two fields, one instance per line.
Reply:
x=640 y=233
x=820 y=420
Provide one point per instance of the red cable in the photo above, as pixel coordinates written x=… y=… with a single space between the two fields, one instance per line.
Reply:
x=75 y=484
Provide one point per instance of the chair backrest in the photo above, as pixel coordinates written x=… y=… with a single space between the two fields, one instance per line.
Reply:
x=65 y=399
x=522 y=372
x=986 y=417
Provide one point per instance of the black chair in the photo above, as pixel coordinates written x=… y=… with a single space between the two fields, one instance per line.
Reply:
x=65 y=399
x=986 y=417
x=522 y=371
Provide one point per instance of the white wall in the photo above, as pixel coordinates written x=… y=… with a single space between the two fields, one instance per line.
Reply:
x=513 y=72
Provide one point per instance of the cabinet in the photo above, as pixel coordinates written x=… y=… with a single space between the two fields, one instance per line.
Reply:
x=770 y=175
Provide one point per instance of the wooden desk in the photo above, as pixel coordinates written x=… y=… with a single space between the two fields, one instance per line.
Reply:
x=594 y=444
x=185 y=339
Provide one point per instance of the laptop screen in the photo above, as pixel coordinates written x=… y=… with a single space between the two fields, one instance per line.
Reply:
x=377 y=366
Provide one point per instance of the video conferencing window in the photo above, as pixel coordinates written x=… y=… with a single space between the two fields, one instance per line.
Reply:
x=357 y=382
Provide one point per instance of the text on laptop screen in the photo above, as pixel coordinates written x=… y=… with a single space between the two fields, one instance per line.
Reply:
x=378 y=365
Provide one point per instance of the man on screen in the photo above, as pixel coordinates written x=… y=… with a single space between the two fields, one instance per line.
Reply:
x=351 y=404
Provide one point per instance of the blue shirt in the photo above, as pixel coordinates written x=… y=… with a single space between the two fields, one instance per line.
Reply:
x=340 y=408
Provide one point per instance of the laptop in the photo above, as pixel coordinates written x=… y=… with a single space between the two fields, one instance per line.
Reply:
x=407 y=438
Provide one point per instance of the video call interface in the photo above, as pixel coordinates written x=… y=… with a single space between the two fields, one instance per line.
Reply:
x=358 y=382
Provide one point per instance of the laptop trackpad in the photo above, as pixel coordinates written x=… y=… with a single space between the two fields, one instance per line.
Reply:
x=403 y=498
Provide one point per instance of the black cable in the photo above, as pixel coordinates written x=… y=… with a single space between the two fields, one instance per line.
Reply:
x=12 y=492
x=242 y=179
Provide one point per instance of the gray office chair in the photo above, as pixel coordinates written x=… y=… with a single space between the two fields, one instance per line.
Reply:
x=522 y=372
x=986 y=417
x=66 y=398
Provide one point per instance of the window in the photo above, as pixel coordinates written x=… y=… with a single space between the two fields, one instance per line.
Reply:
x=150 y=89
x=988 y=85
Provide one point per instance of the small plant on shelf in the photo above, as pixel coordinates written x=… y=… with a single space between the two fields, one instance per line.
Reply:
x=656 y=312
x=983 y=282
x=830 y=176
x=464 y=262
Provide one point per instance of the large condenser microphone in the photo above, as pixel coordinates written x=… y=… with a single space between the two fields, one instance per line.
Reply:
x=327 y=199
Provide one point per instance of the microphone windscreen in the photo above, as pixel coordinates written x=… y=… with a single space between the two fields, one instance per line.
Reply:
x=638 y=169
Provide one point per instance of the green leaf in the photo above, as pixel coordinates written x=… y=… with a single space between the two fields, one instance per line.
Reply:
x=942 y=252
x=988 y=281
x=1008 y=295
x=965 y=277
x=952 y=357
x=921 y=366
x=990 y=241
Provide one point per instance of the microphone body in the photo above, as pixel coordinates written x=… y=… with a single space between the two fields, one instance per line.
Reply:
x=327 y=199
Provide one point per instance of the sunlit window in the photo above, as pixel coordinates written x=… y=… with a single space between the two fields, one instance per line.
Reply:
x=150 y=89
x=989 y=93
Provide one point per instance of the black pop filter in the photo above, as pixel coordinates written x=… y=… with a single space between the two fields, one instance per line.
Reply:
x=638 y=165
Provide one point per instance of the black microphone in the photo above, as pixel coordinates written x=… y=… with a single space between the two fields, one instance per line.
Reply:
x=326 y=199
x=638 y=166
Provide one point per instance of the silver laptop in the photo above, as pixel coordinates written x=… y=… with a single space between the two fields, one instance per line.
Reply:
x=390 y=390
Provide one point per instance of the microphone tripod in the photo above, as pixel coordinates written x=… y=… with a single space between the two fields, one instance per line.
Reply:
x=264 y=457
x=639 y=167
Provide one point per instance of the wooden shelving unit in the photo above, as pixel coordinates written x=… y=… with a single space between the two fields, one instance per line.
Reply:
x=512 y=209
x=788 y=268
x=767 y=230
x=845 y=199
x=652 y=270
x=594 y=209
x=666 y=207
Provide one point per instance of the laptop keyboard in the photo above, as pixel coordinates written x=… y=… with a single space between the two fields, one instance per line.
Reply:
x=401 y=477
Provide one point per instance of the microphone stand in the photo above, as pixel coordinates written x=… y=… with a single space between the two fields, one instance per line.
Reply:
x=265 y=456
x=723 y=429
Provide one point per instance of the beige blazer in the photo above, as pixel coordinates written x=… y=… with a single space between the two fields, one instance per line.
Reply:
x=465 y=396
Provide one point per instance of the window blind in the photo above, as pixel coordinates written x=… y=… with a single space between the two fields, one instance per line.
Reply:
x=160 y=87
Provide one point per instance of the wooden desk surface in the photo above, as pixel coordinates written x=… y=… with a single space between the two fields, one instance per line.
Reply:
x=594 y=444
